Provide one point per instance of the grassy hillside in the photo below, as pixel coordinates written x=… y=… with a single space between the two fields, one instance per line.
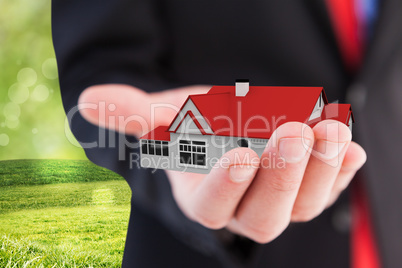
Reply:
x=61 y=213
x=51 y=171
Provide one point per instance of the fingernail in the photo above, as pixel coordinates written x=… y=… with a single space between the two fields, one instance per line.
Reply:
x=328 y=149
x=293 y=150
x=241 y=173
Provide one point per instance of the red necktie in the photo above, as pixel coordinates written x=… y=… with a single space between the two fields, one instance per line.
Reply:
x=346 y=26
x=364 y=252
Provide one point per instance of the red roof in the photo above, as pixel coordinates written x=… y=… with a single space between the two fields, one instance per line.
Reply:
x=338 y=111
x=159 y=133
x=335 y=111
x=260 y=112
x=257 y=114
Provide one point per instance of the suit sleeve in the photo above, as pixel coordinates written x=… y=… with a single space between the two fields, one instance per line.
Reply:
x=122 y=41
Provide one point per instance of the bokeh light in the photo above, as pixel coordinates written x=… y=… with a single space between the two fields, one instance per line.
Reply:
x=40 y=93
x=49 y=68
x=4 y=139
x=12 y=124
x=11 y=111
x=18 y=93
x=31 y=112
x=27 y=77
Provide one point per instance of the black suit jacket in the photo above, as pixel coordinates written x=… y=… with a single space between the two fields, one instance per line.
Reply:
x=160 y=44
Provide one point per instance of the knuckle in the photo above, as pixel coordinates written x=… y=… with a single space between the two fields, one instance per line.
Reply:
x=282 y=184
x=209 y=222
x=332 y=199
x=262 y=235
x=339 y=188
x=224 y=194
x=304 y=215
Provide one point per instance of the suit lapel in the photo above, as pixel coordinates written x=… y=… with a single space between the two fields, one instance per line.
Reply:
x=376 y=93
x=387 y=35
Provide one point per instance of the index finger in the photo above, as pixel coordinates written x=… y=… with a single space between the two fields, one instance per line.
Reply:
x=131 y=110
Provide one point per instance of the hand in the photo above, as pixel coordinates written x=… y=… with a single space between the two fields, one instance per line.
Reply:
x=254 y=197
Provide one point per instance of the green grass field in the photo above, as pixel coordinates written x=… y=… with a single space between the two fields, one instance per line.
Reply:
x=61 y=213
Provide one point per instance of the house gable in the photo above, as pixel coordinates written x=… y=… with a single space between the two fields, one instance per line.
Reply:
x=190 y=125
x=318 y=108
x=190 y=107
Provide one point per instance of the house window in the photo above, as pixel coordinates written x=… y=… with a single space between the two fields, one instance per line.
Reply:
x=154 y=147
x=192 y=153
x=144 y=146
x=151 y=147
x=165 y=148
x=158 y=147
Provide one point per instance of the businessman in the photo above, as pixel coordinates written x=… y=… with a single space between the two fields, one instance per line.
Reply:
x=127 y=55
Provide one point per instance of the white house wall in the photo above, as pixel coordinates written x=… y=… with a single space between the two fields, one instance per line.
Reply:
x=229 y=143
x=189 y=106
x=216 y=146
x=317 y=108
x=350 y=122
x=156 y=161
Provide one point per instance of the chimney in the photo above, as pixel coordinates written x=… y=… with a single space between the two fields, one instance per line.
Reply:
x=242 y=87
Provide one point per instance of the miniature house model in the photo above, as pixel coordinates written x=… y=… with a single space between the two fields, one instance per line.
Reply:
x=208 y=125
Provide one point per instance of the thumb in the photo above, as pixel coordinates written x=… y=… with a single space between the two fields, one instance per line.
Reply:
x=131 y=110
